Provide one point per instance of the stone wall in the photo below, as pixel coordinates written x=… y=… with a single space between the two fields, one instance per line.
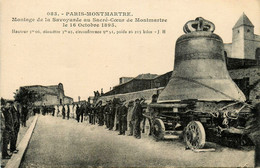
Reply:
x=253 y=76
x=161 y=81
x=48 y=100
x=146 y=94
x=228 y=49
x=68 y=100
x=43 y=89
x=132 y=86
x=53 y=95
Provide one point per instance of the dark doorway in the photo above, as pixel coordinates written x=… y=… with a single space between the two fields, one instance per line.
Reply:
x=243 y=85
x=257 y=54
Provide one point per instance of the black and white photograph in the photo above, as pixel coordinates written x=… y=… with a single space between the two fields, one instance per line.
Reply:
x=130 y=83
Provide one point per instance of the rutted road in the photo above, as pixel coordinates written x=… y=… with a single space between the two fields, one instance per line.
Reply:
x=66 y=143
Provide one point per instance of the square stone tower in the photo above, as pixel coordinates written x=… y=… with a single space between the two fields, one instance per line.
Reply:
x=243 y=45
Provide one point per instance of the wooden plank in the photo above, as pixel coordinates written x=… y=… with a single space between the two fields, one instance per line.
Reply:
x=168 y=105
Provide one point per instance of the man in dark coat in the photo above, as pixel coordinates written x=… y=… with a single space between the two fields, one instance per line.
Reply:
x=90 y=113
x=106 y=111
x=138 y=116
x=130 y=118
x=112 y=114
x=100 y=115
x=44 y=109
x=34 y=110
x=24 y=114
x=58 y=110
x=77 y=112
x=82 y=111
x=8 y=132
x=63 y=112
x=122 y=116
x=53 y=110
x=16 y=121
x=68 y=112
x=5 y=136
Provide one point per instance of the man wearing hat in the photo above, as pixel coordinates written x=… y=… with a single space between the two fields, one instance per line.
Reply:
x=16 y=121
x=8 y=132
x=68 y=111
x=122 y=119
x=138 y=116
x=100 y=110
x=107 y=111
x=63 y=111
x=130 y=118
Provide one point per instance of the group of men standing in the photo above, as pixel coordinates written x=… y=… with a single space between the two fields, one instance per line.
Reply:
x=64 y=112
x=115 y=114
x=67 y=111
x=121 y=115
x=11 y=115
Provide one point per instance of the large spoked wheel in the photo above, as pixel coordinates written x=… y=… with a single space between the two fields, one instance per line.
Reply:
x=158 y=129
x=194 y=135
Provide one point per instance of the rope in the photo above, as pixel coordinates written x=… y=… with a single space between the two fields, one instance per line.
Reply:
x=202 y=84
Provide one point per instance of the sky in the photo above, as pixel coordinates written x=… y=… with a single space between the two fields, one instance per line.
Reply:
x=87 y=62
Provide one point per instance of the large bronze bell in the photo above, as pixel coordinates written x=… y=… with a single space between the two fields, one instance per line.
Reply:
x=200 y=71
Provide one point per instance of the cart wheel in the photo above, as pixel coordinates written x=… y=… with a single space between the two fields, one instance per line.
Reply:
x=158 y=129
x=194 y=135
x=147 y=127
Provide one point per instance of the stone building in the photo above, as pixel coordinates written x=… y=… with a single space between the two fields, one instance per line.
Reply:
x=245 y=44
x=243 y=58
x=248 y=80
x=124 y=80
x=52 y=95
x=141 y=82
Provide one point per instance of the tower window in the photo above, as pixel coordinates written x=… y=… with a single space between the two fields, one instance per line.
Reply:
x=238 y=31
x=248 y=30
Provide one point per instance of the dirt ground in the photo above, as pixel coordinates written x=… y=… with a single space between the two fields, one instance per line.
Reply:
x=66 y=143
